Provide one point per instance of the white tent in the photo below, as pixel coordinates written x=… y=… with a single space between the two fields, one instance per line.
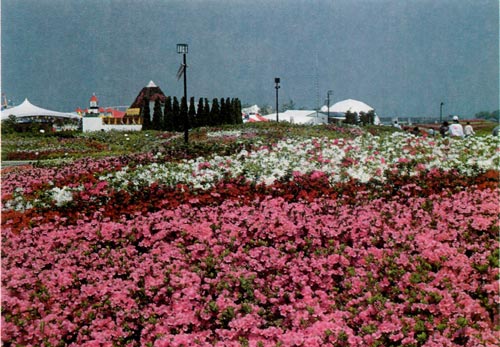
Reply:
x=255 y=109
x=299 y=117
x=28 y=110
x=351 y=105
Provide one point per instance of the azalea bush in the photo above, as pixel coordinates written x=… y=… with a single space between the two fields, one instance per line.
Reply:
x=265 y=240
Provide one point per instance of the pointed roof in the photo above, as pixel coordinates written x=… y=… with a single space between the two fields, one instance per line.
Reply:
x=152 y=92
x=27 y=109
x=93 y=98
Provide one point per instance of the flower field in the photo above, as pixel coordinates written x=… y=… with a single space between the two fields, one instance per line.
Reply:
x=246 y=239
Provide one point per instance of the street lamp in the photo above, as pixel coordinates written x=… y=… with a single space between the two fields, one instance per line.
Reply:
x=441 y=112
x=277 y=86
x=328 y=93
x=182 y=48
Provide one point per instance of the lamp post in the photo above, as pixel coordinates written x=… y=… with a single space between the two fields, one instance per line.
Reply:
x=277 y=86
x=441 y=112
x=328 y=93
x=182 y=48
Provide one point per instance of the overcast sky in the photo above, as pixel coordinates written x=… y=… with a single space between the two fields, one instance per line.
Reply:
x=402 y=57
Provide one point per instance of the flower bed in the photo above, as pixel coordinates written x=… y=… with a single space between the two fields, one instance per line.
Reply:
x=313 y=251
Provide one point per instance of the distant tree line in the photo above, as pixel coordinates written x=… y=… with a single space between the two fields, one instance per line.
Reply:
x=494 y=116
x=168 y=116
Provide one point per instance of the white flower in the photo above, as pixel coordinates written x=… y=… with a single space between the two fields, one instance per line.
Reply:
x=61 y=196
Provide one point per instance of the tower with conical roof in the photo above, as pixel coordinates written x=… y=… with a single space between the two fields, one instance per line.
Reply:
x=94 y=105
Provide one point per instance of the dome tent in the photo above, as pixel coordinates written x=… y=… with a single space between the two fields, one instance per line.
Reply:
x=27 y=110
x=350 y=105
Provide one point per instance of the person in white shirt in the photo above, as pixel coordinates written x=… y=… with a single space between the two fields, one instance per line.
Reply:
x=468 y=131
x=456 y=129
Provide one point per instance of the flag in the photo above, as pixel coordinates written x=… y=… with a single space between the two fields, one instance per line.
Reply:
x=180 y=71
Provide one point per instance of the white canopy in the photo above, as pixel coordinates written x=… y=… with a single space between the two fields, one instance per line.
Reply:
x=300 y=117
x=351 y=105
x=255 y=109
x=27 y=109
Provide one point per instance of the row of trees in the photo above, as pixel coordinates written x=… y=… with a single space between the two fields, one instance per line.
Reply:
x=361 y=119
x=170 y=115
x=493 y=116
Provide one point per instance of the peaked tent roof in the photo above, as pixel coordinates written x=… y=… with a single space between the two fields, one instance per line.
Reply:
x=348 y=105
x=152 y=92
x=27 y=109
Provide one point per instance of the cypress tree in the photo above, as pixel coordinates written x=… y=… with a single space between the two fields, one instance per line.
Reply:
x=207 y=112
x=200 y=114
x=234 y=119
x=176 y=115
x=215 y=113
x=238 y=119
x=240 y=113
x=157 y=115
x=146 y=115
x=223 y=112
x=192 y=113
x=229 y=112
x=168 y=121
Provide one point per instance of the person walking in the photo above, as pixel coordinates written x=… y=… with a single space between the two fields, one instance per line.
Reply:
x=456 y=129
x=468 y=130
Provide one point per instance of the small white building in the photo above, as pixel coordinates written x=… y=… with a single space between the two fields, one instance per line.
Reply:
x=97 y=124
x=100 y=119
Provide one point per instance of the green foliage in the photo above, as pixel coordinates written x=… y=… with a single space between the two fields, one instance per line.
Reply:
x=176 y=115
x=351 y=118
x=168 y=116
x=192 y=114
x=215 y=113
x=201 y=116
x=493 y=116
x=9 y=125
x=367 y=118
x=184 y=120
x=238 y=119
x=146 y=115
x=290 y=105
x=157 y=116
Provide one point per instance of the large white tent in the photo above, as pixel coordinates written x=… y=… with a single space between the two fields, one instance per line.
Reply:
x=299 y=117
x=28 y=110
x=350 y=105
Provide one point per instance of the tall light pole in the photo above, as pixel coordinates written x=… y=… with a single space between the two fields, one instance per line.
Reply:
x=441 y=112
x=182 y=48
x=277 y=86
x=328 y=93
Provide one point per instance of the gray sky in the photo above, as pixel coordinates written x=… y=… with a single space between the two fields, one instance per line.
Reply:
x=402 y=57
